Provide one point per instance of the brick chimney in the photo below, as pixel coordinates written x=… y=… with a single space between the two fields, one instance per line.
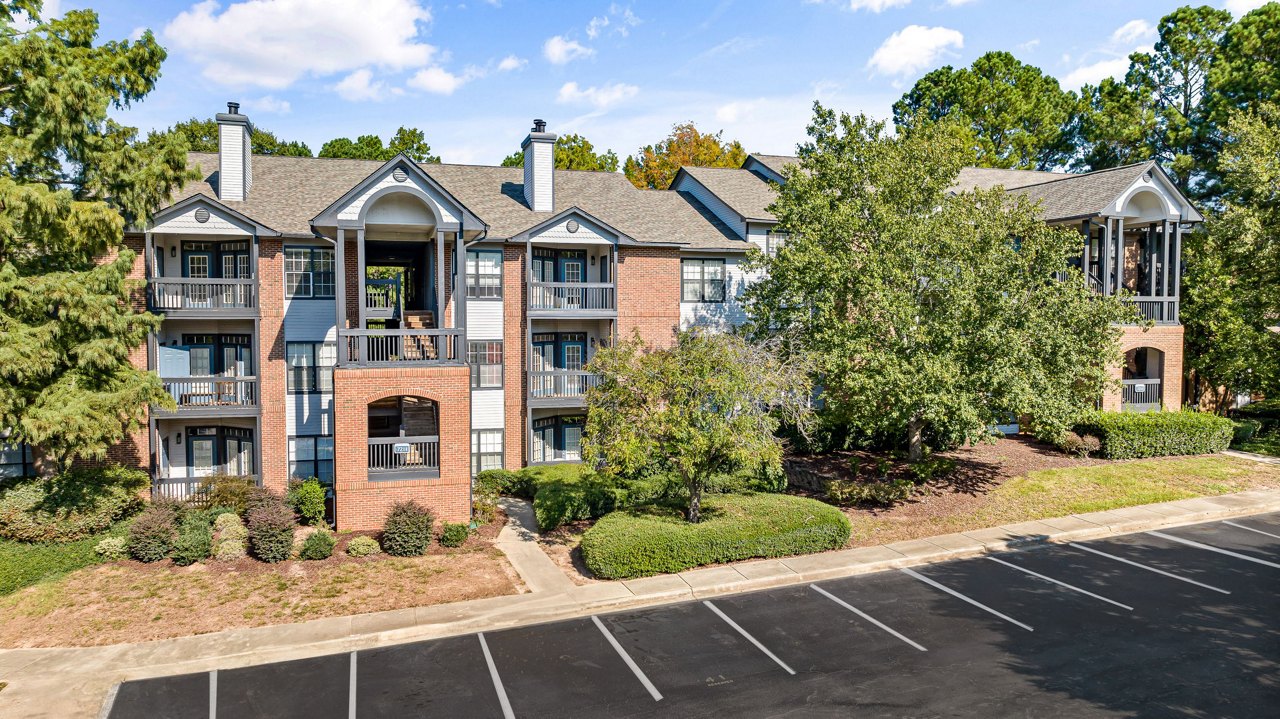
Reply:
x=235 y=154
x=539 y=167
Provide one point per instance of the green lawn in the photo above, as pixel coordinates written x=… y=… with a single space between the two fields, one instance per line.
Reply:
x=22 y=565
x=1267 y=444
x=1059 y=492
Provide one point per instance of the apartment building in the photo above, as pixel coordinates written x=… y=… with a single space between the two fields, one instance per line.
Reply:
x=393 y=328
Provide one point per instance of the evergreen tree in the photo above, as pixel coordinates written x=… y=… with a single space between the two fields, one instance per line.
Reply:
x=71 y=181
x=573 y=152
x=202 y=136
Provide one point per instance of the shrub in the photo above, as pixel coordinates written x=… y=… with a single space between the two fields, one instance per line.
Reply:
x=883 y=493
x=307 y=500
x=1131 y=435
x=1078 y=445
x=112 y=549
x=271 y=531
x=640 y=542
x=195 y=543
x=71 y=506
x=229 y=550
x=931 y=468
x=154 y=532
x=318 y=545
x=407 y=530
x=1245 y=430
x=229 y=491
x=454 y=535
x=564 y=500
x=363 y=546
x=228 y=525
x=505 y=482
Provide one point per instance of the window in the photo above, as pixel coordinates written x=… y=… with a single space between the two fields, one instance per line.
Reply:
x=15 y=460
x=557 y=439
x=702 y=280
x=311 y=457
x=484 y=274
x=773 y=242
x=485 y=358
x=486 y=450
x=309 y=272
x=310 y=366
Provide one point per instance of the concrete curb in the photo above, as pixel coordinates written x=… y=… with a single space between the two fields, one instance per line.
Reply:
x=73 y=681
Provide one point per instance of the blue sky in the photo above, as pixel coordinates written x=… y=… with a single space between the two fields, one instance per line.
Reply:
x=472 y=75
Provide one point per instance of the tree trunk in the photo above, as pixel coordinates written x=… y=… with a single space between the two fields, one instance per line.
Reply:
x=695 y=503
x=915 y=438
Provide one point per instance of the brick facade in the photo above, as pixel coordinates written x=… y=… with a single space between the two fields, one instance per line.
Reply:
x=1167 y=339
x=363 y=504
x=649 y=294
x=272 y=392
x=133 y=450
x=515 y=356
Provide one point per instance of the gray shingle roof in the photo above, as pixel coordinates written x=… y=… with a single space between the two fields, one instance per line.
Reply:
x=986 y=178
x=1082 y=195
x=745 y=192
x=288 y=192
x=775 y=162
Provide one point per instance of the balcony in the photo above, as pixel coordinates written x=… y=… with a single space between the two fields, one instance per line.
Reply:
x=382 y=299
x=404 y=457
x=560 y=388
x=1161 y=310
x=396 y=348
x=211 y=396
x=1141 y=395
x=572 y=299
x=203 y=297
x=190 y=489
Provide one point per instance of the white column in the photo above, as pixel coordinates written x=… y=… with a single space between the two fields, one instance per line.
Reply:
x=1119 y=254
x=1105 y=268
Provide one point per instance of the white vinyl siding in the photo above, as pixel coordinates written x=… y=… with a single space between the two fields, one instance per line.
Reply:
x=718 y=208
x=488 y=409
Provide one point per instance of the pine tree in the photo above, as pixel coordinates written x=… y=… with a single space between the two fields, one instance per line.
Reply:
x=71 y=181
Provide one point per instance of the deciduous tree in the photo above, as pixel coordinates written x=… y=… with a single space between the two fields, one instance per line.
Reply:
x=411 y=141
x=655 y=166
x=931 y=316
x=202 y=136
x=708 y=405
x=573 y=152
x=1017 y=116
x=71 y=180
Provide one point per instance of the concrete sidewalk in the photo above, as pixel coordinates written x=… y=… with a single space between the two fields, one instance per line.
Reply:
x=74 y=682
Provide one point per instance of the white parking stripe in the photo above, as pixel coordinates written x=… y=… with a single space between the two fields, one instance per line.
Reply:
x=653 y=691
x=1209 y=548
x=1251 y=529
x=748 y=637
x=958 y=595
x=351 y=695
x=497 y=680
x=213 y=694
x=864 y=615
x=1149 y=569
x=1073 y=588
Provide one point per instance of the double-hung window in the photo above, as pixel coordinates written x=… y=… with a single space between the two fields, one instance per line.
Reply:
x=484 y=274
x=702 y=280
x=310 y=366
x=309 y=272
x=486 y=450
x=485 y=358
x=311 y=457
x=15 y=460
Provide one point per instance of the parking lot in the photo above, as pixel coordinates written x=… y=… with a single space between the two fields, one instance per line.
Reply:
x=1180 y=622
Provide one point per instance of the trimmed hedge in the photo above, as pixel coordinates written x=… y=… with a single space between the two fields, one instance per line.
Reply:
x=454 y=535
x=70 y=506
x=1132 y=435
x=407 y=530
x=363 y=546
x=655 y=540
x=154 y=532
x=271 y=531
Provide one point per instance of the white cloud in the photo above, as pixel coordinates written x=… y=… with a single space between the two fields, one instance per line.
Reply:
x=958 y=3
x=442 y=82
x=273 y=43
x=52 y=9
x=1133 y=31
x=137 y=33
x=1240 y=7
x=596 y=25
x=558 y=50
x=511 y=62
x=877 y=5
x=360 y=86
x=1095 y=73
x=737 y=111
x=914 y=48
x=624 y=19
x=602 y=97
x=269 y=104
x=1029 y=45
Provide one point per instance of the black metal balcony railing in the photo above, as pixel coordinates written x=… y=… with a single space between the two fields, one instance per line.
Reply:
x=170 y=295
x=1141 y=395
x=395 y=347
x=572 y=296
x=561 y=384
x=1156 y=309
x=205 y=392
x=382 y=299
x=404 y=454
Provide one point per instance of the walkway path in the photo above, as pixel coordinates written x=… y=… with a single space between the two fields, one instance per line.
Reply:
x=74 y=682
x=1264 y=459
x=519 y=541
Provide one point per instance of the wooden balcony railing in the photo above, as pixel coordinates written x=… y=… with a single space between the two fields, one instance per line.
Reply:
x=204 y=392
x=382 y=299
x=396 y=347
x=570 y=297
x=561 y=384
x=1163 y=310
x=1141 y=395
x=175 y=295
x=404 y=454
x=191 y=489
